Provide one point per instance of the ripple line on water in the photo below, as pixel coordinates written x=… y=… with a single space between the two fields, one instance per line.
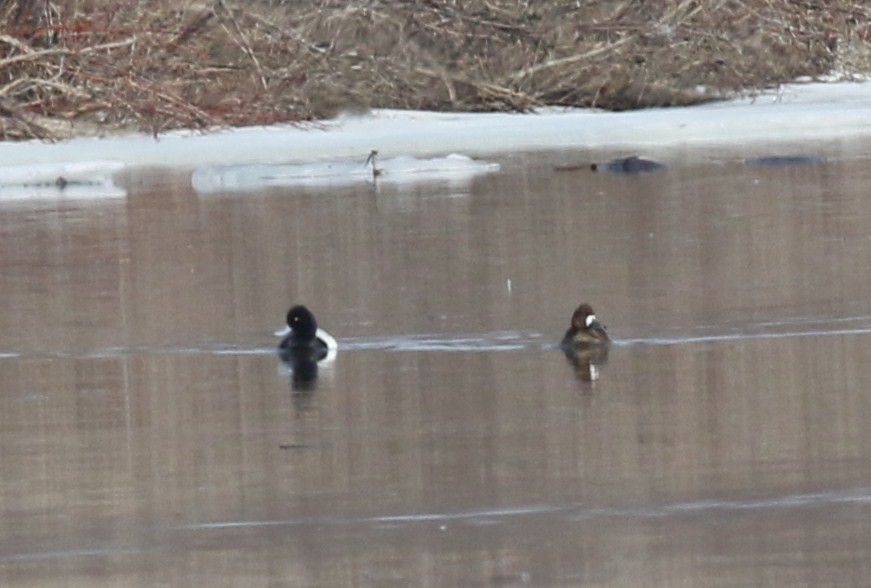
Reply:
x=574 y=512
x=715 y=338
x=487 y=342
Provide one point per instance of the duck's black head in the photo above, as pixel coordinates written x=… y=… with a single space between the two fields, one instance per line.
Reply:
x=303 y=326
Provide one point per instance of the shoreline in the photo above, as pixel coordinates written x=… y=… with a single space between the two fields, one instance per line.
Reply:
x=795 y=112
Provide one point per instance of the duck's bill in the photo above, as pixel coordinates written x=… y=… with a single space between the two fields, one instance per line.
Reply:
x=283 y=332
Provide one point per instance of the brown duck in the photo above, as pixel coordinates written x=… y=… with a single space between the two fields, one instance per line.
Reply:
x=586 y=330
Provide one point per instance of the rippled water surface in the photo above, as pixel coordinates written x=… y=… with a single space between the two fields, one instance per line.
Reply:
x=149 y=436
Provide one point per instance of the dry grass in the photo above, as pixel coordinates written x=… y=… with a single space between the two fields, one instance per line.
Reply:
x=95 y=66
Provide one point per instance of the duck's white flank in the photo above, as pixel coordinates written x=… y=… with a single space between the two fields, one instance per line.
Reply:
x=328 y=339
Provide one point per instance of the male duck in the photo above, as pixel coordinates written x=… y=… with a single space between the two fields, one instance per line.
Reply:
x=302 y=337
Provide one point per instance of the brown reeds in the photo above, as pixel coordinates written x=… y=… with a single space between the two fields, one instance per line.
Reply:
x=93 y=66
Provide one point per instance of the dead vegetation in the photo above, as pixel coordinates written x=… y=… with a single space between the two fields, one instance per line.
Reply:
x=99 y=66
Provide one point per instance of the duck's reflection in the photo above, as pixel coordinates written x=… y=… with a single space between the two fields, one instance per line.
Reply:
x=302 y=371
x=302 y=366
x=587 y=360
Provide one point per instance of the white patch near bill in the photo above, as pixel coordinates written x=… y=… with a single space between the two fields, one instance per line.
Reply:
x=591 y=318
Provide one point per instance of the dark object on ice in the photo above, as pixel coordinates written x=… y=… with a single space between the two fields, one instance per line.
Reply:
x=777 y=160
x=376 y=171
x=628 y=165
x=571 y=167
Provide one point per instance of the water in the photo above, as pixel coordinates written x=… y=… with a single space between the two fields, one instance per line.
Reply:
x=150 y=436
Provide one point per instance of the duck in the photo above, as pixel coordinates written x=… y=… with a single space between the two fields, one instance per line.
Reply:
x=302 y=338
x=585 y=330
